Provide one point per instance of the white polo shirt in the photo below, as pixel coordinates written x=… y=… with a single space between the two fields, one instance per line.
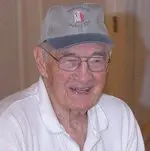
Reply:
x=28 y=123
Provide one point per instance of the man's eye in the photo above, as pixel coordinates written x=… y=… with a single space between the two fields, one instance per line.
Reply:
x=69 y=60
x=97 y=59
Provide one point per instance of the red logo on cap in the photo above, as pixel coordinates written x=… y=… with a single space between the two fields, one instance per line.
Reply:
x=78 y=16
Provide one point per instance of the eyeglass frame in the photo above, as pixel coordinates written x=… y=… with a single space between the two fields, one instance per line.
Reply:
x=58 y=60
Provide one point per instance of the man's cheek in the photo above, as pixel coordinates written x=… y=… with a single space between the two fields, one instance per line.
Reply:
x=60 y=79
x=62 y=76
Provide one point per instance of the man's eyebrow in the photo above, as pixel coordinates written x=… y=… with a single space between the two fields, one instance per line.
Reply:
x=65 y=54
x=100 y=53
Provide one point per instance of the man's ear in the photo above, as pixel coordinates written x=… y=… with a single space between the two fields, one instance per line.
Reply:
x=40 y=61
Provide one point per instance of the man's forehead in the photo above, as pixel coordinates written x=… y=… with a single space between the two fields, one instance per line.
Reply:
x=92 y=47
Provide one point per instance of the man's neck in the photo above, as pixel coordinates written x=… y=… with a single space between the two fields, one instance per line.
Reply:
x=72 y=119
x=75 y=124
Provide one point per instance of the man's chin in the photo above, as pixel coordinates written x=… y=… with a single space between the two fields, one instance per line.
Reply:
x=82 y=103
x=82 y=100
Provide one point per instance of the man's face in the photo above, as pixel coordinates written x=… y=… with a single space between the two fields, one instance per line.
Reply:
x=79 y=89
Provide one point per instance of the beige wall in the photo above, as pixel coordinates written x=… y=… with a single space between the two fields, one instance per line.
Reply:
x=9 y=63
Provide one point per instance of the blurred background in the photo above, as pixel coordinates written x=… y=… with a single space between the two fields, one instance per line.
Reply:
x=128 y=22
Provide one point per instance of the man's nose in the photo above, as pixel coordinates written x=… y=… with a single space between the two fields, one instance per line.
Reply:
x=83 y=72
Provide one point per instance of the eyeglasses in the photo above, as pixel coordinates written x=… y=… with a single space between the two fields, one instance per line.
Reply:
x=71 y=63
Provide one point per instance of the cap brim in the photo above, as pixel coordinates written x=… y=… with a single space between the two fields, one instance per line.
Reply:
x=67 y=41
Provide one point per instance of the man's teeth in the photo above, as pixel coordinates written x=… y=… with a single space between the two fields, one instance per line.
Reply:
x=81 y=90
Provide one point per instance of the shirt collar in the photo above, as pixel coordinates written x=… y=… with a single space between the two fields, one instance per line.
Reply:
x=97 y=119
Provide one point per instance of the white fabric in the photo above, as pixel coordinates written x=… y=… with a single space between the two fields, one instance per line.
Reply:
x=28 y=123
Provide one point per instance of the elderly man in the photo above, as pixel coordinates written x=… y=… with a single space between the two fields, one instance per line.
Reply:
x=66 y=109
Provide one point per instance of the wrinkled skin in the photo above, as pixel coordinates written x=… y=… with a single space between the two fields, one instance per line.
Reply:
x=60 y=83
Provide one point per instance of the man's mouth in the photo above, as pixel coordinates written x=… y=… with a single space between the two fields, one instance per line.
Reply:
x=81 y=91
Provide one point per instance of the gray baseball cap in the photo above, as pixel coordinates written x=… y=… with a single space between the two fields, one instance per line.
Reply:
x=67 y=25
